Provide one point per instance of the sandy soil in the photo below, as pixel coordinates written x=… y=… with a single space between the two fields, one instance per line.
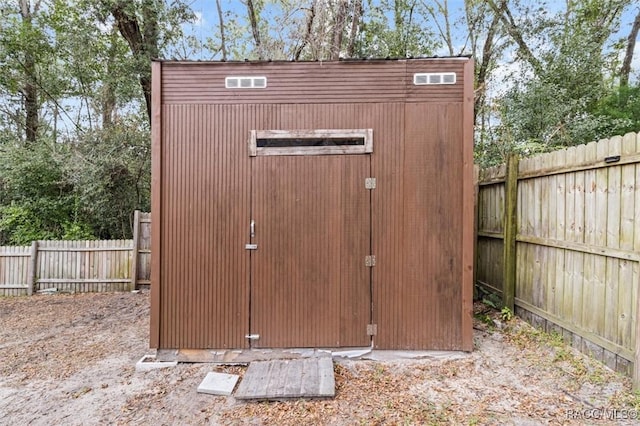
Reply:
x=70 y=359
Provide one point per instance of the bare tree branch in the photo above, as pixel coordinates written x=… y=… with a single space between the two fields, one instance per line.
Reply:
x=443 y=9
x=307 y=35
x=512 y=28
x=625 y=70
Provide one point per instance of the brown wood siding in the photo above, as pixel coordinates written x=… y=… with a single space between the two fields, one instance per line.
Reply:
x=388 y=222
x=205 y=206
x=424 y=308
x=310 y=82
x=436 y=93
x=204 y=293
x=202 y=197
x=309 y=282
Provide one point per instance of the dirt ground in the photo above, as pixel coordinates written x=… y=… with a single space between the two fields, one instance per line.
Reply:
x=70 y=359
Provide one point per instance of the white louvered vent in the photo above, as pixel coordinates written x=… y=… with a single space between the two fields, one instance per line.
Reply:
x=449 y=78
x=420 y=79
x=425 y=78
x=245 y=82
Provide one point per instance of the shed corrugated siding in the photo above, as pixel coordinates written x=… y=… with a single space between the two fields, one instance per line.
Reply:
x=430 y=303
x=310 y=82
x=388 y=221
x=417 y=227
x=204 y=295
x=205 y=210
x=205 y=207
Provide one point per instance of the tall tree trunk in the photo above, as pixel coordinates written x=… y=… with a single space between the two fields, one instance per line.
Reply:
x=150 y=48
x=483 y=68
x=143 y=41
x=355 y=27
x=309 y=29
x=30 y=88
x=108 y=92
x=223 y=42
x=338 y=29
x=625 y=70
x=30 y=92
x=253 y=18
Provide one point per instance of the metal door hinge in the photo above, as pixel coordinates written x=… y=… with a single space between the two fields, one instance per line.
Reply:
x=370 y=183
x=370 y=260
x=252 y=336
x=372 y=329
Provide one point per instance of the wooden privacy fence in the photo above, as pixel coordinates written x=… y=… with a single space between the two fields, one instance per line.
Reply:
x=78 y=266
x=559 y=238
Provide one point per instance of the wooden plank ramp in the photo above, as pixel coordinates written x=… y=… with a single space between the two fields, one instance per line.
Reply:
x=288 y=378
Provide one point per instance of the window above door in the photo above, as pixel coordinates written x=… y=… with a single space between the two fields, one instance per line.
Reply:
x=310 y=142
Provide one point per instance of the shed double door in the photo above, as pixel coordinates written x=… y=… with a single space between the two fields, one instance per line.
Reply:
x=309 y=285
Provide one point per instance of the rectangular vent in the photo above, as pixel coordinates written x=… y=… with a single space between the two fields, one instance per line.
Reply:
x=245 y=82
x=310 y=142
x=427 y=78
x=449 y=78
x=420 y=79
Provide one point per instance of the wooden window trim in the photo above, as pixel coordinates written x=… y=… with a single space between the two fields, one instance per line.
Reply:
x=367 y=148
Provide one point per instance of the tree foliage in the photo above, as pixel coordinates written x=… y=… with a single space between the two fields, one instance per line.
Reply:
x=75 y=83
x=87 y=188
x=36 y=201
x=569 y=91
x=82 y=166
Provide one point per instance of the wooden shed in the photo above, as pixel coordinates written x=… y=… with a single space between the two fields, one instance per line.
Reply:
x=312 y=204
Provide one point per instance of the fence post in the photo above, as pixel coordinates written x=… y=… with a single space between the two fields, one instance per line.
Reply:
x=33 y=268
x=135 y=249
x=476 y=221
x=510 y=229
x=636 y=359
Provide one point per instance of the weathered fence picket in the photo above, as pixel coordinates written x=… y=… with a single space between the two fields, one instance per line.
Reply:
x=78 y=266
x=577 y=244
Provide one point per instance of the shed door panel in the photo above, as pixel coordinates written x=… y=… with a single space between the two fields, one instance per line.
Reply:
x=309 y=283
x=432 y=219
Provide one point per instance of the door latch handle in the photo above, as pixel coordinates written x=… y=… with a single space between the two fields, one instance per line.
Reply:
x=252 y=228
